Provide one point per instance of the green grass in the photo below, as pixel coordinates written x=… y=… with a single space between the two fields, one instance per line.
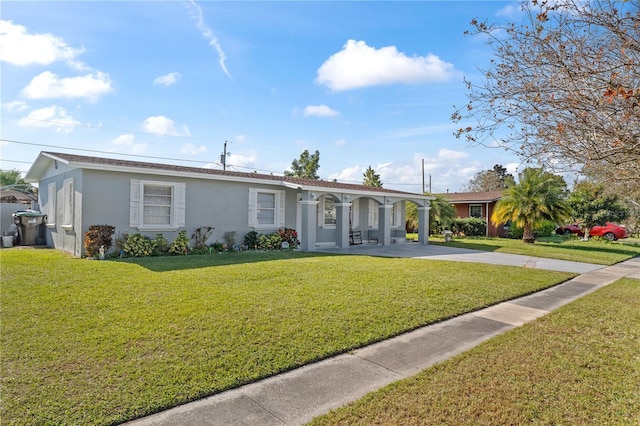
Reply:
x=578 y=365
x=555 y=247
x=101 y=342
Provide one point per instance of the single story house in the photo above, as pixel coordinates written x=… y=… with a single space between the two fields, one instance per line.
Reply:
x=78 y=191
x=480 y=205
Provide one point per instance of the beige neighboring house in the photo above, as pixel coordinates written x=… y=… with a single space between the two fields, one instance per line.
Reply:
x=480 y=205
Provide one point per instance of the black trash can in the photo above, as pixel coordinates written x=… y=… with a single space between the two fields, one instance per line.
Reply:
x=30 y=227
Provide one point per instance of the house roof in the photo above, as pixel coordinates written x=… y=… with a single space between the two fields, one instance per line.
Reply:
x=43 y=161
x=472 y=197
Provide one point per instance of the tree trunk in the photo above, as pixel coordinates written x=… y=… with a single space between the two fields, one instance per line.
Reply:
x=527 y=235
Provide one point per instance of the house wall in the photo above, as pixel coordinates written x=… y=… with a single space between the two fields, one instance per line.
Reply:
x=494 y=230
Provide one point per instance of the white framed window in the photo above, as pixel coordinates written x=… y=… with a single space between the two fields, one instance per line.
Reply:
x=374 y=214
x=329 y=215
x=156 y=205
x=266 y=208
x=475 y=210
x=51 y=205
x=395 y=214
x=68 y=201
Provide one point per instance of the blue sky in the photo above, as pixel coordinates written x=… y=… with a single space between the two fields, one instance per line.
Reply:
x=364 y=83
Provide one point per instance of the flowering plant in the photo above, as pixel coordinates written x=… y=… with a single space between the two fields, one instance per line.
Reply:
x=290 y=236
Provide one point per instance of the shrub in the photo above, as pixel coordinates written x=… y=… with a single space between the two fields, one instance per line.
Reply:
x=160 y=245
x=470 y=227
x=546 y=229
x=217 y=246
x=200 y=236
x=97 y=236
x=271 y=241
x=251 y=240
x=180 y=245
x=138 y=245
x=289 y=236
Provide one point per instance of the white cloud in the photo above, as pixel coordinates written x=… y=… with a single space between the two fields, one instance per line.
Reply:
x=240 y=138
x=320 y=111
x=512 y=168
x=340 y=142
x=47 y=85
x=198 y=16
x=350 y=174
x=127 y=139
x=53 y=116
x=168 y=79
x=358 y=65
x=139 y=148
x=20 y=48
x=445 y=154
x=15 y=106
x=191 y=149
x=163 y=126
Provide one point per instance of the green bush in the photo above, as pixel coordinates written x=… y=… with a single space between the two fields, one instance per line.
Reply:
x=96 y=237
x=546 y=229
x=180 y=245
x=271 y=241
x=470 y=227
x=138 y=245
x=160 y=245
x=251 y=240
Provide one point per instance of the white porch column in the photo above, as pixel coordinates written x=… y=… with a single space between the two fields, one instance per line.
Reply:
x=342 y=224
x=309 y=225
x=384 y=224
x=423 y=224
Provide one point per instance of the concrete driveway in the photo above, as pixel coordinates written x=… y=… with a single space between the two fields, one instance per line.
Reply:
x=439 y=252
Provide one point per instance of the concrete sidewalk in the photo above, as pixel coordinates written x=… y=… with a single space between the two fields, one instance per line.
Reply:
x=295 y=397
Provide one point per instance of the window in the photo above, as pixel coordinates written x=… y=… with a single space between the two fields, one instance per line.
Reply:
x=266 y=208
x=374 y=212
x=51 y=205
x=157 y=205
x=67 y=216
x=395 y=214
x=329 y=211
x=354 y=212
x=475 y=210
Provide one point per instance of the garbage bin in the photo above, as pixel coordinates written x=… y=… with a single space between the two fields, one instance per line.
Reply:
x=30 y=227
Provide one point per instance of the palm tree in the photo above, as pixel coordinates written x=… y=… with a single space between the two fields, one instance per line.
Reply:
x=538 y=196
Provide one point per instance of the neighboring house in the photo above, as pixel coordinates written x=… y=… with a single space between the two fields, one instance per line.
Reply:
x=480 y=205
x=77 y=191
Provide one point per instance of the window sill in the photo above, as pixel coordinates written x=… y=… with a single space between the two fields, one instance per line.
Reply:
x=67 y=227
x=51 y=225
x=157 y=228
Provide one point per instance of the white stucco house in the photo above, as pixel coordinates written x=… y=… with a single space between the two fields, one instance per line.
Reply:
x=77 y=191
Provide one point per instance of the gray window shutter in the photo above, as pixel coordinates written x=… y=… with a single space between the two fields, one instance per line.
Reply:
x=253 y=194
x=134 y=203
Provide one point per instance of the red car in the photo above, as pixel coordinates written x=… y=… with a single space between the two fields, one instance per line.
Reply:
x=609 y=231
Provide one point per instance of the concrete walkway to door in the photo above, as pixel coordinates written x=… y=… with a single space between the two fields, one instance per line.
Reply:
x=440 y=252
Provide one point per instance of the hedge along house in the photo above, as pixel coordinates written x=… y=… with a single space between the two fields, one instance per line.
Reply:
x=137 y=197
x=479 y=205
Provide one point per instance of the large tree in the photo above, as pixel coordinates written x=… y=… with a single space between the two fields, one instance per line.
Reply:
x=539 y=196
x=371 y=178
x=592 y=205
x=305 y=167
x=13 y=178
x=495 y=179
x=563 y=89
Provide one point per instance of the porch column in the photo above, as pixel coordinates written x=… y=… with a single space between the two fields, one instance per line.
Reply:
x=342 y=224
x=423 y=224
x=384 y=224
x=309 y=225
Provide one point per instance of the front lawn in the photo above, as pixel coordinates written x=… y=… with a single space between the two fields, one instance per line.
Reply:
x=100 y=342
x=576 y=366
x=555 y=247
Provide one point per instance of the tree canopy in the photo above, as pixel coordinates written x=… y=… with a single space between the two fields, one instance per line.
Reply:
x=14 y=177
x=538 y=196
x=306 y=166
x=495 y=179
x=371 y=178
x=592 y=205
x=562 y=89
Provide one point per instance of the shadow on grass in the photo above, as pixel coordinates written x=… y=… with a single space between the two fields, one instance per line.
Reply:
x=465 y=245
x=178 y=263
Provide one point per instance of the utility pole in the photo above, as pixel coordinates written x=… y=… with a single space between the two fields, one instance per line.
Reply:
x=423 y=176
x=223 y=157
